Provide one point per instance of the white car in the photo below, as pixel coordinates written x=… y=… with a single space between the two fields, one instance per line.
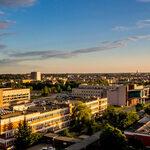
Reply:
x=44 y=148
x=51 y=148
x=48 y=148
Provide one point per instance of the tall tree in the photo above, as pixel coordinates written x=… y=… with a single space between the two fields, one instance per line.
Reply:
x=112 y=138
x=25 y=137
x=81 y=114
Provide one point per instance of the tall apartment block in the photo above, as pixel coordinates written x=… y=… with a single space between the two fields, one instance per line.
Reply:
x=10 y=97
x=36 y=76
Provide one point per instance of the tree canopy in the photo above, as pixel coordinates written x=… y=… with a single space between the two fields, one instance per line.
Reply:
x=25 y=137
x=139 y=106
x=120 y=120
x=81 y=114
x=135 y=143
x=112 y=138
x=147 y=110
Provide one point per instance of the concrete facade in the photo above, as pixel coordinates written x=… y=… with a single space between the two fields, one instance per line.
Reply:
x=10 y=97
x=36 y=76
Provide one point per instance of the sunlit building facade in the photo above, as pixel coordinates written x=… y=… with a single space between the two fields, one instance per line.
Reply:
x=10 y=97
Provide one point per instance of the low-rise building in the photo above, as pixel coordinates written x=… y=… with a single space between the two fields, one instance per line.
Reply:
x=141 y=130
x=38 y=117
x=42 y=118
x=97 y=105
x=10 y=96
x=85 y=90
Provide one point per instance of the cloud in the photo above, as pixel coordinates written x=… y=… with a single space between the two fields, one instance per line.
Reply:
x=143 y=0
x=2 y=13
x=4 y=24
x=6 y=34
x=2 y=46
x=139 y=25
x=17 y=57
x=17 y=3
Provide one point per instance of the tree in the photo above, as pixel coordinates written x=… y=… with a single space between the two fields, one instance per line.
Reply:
x=54 y=90
x=81 y=115
x=45 y=91
x=110 y=115
x=119 y=120
x=66 y=133
x=112 y=138
x=147 y=110
x=25 y=137
x=68 y=88
x=139 y=106
x=126 y=119
x=135 y=144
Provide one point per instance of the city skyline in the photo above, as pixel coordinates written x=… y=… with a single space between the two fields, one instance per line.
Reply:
x=61 y=36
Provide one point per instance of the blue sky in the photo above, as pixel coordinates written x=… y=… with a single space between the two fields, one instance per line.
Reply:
x=74 y=36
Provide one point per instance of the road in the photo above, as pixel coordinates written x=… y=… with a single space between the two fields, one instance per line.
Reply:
x=39 y=146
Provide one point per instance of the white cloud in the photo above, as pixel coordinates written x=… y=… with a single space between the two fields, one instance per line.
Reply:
x=2 y=13
x=16 y=57
x=4 y=24
x=139 y=25
x=17 y=3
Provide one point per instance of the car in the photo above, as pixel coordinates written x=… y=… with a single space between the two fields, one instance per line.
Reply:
x=48 y=148
x=44 y=148
x=51 y=148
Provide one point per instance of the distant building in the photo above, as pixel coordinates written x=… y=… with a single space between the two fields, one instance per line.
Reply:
x=26 y=81
x=36 y=76
x=120 y=95
x=127 y=95
x=10 y=97
x=85 y=90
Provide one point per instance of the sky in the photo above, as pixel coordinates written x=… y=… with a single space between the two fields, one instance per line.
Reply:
x=74 y=36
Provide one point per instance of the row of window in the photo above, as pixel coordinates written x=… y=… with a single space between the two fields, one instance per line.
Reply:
x=49 y=115
x=50 y=122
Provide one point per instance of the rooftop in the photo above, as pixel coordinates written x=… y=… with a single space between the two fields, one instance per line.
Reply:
x=142 y=126
x=84 y=100
x=11 y=89
x=8 y=113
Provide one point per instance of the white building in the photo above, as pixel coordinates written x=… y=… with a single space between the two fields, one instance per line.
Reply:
x=36 y=76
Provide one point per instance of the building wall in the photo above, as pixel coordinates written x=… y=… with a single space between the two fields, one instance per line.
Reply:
x=10 y=97
x=1 y=98
x=117 y=96
x=36 y=76
x=144 y=137
x=54 y=120
x=88 y=92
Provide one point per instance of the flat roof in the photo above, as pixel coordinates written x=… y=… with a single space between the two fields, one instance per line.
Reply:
x=11 y=89
x=84 y=143
x=30 y=110
x=61 y=138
